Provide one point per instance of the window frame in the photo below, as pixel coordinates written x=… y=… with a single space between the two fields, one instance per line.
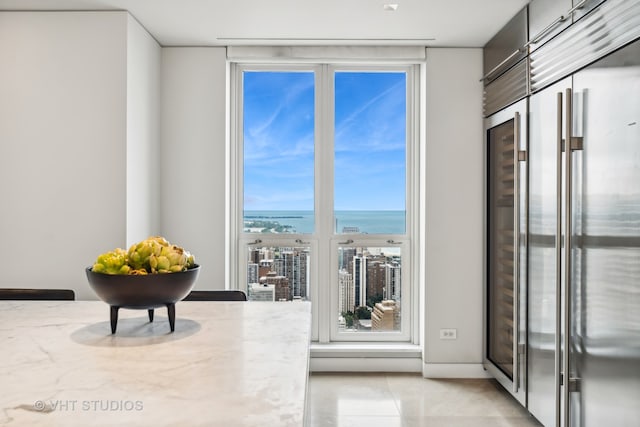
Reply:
x=324 y=241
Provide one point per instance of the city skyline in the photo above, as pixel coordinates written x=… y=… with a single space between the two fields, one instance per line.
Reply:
x=368 y=278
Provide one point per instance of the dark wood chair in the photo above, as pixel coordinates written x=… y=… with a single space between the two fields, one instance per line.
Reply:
x=218 y=295
x=36 y=294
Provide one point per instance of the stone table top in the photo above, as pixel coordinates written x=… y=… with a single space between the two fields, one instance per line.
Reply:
x=226 y=364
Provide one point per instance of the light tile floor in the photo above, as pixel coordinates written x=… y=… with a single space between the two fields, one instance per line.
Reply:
x=408 y=400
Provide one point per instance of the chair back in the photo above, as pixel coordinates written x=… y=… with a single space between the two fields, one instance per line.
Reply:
x=217 y=295
x=36 y=294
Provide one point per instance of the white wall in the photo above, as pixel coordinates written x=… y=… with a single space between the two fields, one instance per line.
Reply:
x=79 y=95
x=454 y=216
x=143 y=135
x=62 y=145
x=192 y=171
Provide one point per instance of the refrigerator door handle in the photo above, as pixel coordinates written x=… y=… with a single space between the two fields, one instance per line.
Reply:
x=568 y=196
x=558 y=248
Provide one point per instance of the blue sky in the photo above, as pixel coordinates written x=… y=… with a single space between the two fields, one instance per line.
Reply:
x=279 y=141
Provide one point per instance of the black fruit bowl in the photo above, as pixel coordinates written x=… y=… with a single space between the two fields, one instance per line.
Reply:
x=143 y=292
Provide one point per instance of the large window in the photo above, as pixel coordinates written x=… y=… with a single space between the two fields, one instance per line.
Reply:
x=323 y=194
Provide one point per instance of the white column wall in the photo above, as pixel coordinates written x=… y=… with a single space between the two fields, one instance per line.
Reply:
x=143 y=133
x=62 y=145
x=454 y=212
x=192 y=166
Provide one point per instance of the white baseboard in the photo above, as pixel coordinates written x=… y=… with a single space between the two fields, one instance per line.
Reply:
x=394 y=364
x=362 y=364
x=454 y=370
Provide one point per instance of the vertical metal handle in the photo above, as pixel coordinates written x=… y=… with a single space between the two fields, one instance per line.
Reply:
x=568 y=229
x=516 y=253
x=558 y=331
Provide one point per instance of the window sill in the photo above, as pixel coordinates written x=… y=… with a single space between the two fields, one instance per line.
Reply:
x=365 y=350
x=365 y=357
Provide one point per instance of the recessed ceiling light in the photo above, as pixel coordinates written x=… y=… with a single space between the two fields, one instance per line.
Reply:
x=390 y=7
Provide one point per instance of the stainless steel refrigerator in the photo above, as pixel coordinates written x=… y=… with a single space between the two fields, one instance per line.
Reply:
x=505 y=236
x=583 y=338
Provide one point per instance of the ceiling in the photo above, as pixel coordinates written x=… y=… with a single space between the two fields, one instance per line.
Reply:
x=437 y=23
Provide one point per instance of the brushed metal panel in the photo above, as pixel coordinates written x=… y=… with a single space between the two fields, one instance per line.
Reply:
x=605 y=349
x=544 y=12
x=606 y=28
x=543 y=123
x=507 y=89
x=586 y=8
x=506 y=41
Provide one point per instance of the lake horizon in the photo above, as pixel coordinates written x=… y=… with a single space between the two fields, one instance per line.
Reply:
x=350 y=221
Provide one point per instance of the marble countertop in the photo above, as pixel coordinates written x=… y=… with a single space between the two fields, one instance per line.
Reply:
x=226 y=364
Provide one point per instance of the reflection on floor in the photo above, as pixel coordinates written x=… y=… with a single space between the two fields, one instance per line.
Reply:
x=408 y=400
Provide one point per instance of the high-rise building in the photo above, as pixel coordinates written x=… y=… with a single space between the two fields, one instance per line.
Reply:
x=252 y=273
x=294 y=265
x=254 y=256
x=280 y=285
x=393 y=281
x=359 y=280
x=345 y=257
x=385 y=316
x=346 y=293
x=376 y=278
x=298 y=274
x=261 y=292
x=350 y=229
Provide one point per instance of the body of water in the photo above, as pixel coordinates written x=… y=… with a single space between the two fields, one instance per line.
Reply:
x=368 y=222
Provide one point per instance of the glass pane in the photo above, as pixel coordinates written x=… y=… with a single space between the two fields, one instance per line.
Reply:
x=369 y=283
x=370 y=152
x=501 y=245
x=278 y=131
x=277 y=273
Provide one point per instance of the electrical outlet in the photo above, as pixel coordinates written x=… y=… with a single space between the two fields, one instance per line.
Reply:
x=448 y=334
